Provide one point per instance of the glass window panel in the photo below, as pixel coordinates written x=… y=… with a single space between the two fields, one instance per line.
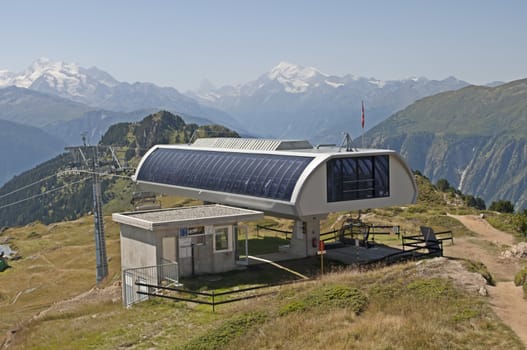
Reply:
x=357 y=178
x=221 y=239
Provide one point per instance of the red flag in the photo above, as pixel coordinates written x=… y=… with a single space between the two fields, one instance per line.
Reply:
x=362 y=117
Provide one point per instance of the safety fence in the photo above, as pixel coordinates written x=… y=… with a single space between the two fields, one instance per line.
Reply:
x=365 y=232
x=267 y=228
x=136 y=281
x=211 y=298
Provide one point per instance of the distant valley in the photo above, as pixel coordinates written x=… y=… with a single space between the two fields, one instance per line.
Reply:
x=22 y=147
x=475 y=137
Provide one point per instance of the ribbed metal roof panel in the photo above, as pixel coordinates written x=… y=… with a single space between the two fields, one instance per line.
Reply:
x=271 y=176
x=252 y=144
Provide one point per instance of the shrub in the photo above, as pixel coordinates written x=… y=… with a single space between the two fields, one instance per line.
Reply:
x=293 y=306
x=219 y=337
x=520 y=279
x=520 y=222
x=502 y=206
x=443 y=185
x=430 y=288
x=479 y=267
x=337 y=296
x=33 y=235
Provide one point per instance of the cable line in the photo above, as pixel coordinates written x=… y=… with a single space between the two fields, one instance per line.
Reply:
x=26 y=186
x=104 y=174
x=44 y=193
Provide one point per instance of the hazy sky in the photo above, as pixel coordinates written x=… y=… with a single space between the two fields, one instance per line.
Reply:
x=180 y=43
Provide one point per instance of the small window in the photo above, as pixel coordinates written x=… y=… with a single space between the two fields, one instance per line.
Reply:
x=222 y=239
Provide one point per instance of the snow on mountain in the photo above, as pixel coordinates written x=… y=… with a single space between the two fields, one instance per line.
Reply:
x=333 y=84
x=294 y=78
x=292 y=101
x=63 y=79
x=98 y=89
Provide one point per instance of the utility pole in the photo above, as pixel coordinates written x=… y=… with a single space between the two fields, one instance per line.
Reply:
x=100 y=242
x=87 y=158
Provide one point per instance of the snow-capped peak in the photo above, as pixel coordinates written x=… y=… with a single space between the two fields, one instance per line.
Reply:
x=292 y=71
x=294 y=78
x=66 y=79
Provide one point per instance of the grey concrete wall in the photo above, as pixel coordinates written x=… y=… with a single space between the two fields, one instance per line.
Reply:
x=206 y=260
x=306 y=234
x=138 y=247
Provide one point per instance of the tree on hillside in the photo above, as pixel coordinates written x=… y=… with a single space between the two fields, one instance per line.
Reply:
x=443 y=185
x=502 y=206
x=520 y=221
x=474 y=202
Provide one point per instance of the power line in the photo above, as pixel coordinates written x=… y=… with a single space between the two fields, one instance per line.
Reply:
x=44 y=193
x=26 y=186
x=51 y=176
x=98 y=173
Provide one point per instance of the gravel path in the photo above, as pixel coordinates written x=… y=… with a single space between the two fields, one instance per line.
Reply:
x=505 y=298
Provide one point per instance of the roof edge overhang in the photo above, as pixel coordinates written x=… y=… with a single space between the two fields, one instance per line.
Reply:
x=410 y=173
x=352 y=204
x=269 y=206
x=127 y=218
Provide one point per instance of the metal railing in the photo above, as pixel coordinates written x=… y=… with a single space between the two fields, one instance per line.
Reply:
x=258 y=228
x=207 y=298
x=142 y=279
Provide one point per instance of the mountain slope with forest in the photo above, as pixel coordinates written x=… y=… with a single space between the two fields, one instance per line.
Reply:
x=61 y=194
x=475 y=137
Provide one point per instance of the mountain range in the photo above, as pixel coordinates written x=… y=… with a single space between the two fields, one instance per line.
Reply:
x=289 y=101
x=292 y=101
x=98 y=90
x=475 y=137
x=65 y=101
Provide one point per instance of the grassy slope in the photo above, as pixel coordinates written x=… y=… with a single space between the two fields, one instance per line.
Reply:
x=405 y=309
x=473 y=110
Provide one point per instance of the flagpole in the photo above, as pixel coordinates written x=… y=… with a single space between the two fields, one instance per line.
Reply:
x=362 y=123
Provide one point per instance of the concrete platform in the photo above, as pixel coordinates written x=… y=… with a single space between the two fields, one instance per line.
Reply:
x=353 y=255
x=277 y=256
x=348 y=254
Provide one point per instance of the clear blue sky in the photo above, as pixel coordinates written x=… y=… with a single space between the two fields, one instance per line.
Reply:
x=179 y=43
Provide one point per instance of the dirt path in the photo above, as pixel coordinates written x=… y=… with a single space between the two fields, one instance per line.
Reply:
x=505 y=298
x=480 y=226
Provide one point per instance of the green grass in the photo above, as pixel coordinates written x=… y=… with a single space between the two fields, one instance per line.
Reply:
x=521 y=277
x=219 y=337
x=384 y=308
x=330 y=297
x=263 y=244
x=503 y=222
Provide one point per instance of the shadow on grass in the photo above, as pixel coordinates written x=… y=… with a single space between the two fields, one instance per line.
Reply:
x=259 y=274
x=262 y=245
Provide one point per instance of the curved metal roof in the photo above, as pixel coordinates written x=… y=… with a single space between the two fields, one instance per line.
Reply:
x=291 y=183
x=259 y=175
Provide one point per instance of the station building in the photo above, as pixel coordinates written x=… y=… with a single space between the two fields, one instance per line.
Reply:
x=289 y=179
